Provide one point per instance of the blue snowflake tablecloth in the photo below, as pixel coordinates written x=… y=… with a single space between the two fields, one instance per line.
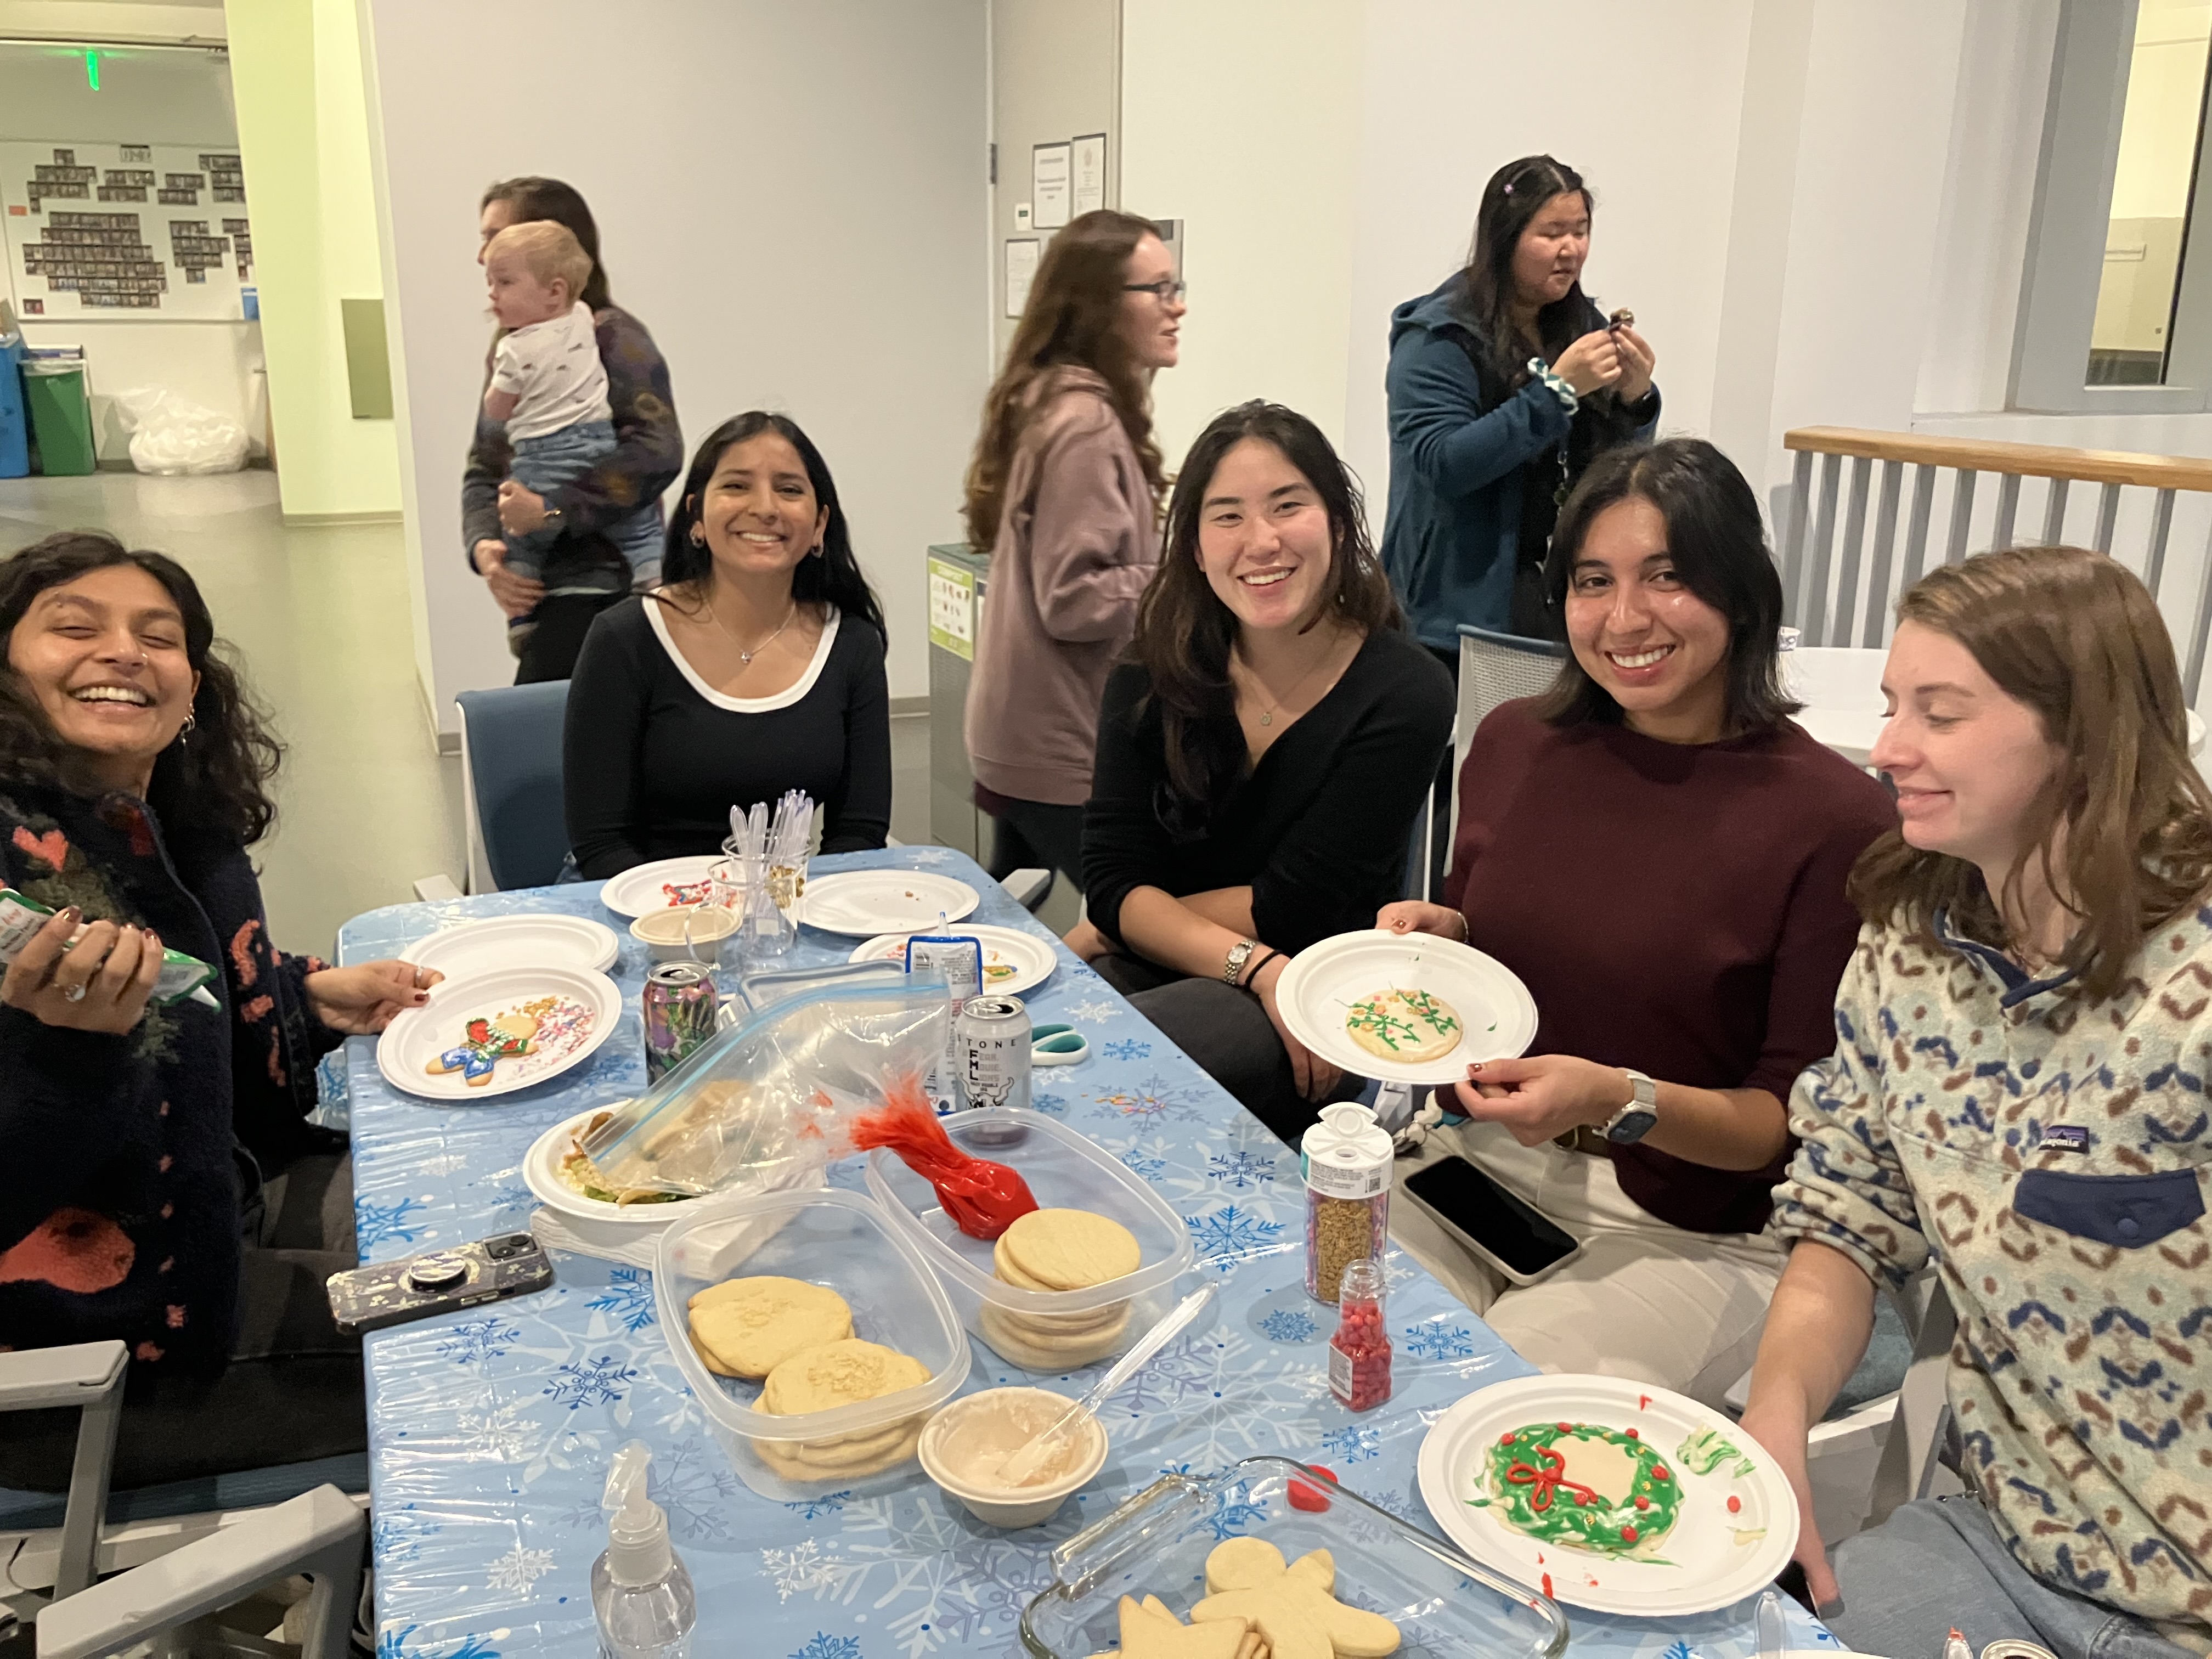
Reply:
x=491 y=1430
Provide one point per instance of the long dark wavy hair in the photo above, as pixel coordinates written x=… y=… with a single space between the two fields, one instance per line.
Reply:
x=2123 y=835
x=832 y=577
x=1184 y=632
x=1718 y=544
x=1073 y=317
x=1516 y=193
x=533 y=198
x=214 y=781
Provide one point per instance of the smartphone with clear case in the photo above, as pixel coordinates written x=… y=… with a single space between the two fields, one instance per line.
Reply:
x=438 y=1281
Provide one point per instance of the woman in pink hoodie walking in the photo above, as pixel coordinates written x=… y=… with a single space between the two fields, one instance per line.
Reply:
x=1064 y=490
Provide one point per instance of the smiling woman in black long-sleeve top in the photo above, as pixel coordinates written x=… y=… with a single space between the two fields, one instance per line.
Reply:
x=1261 y=758
x=759 y=668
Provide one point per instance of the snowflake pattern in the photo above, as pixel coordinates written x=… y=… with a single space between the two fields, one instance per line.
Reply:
x=518 y=1569
x=1354 y=1444
x=1679 y=1649
x=1289 y=1324
x=1241 y=1170
x=628 y=1298
x=476 y=1340
x=1150 y=1102
x=903 y=1575
x=1227 y=1235
x=583 y=1382
x=1434 y=1340
x=1151 y=1169
x=375 y=1224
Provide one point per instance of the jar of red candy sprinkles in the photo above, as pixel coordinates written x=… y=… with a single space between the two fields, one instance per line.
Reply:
x=1359 y=1353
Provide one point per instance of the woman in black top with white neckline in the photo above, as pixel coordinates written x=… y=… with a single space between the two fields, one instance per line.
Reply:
x=758 y=668
x=1262 y=756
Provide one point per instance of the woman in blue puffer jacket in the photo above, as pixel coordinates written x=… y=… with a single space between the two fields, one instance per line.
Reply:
x=1504 y=383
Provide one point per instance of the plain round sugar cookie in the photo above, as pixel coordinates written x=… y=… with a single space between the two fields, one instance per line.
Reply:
x=1002 y=1266
x=801 y=1460
x=1071 y=1249
x=1021 y=1341
x=1411 y=1027
x=751 y=1326
x=820 y=1379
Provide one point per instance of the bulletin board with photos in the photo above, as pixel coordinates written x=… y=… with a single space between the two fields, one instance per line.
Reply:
x=152 y=233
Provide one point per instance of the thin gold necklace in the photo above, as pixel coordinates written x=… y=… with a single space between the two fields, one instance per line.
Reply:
x=1268 y=718
x=745 y=657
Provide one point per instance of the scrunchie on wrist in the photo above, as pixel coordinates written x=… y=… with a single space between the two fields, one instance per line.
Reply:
x=1558 y=388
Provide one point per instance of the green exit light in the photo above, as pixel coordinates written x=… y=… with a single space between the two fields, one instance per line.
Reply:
x=92 y=70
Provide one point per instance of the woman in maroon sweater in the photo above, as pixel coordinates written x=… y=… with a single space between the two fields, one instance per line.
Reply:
x=1659 y=853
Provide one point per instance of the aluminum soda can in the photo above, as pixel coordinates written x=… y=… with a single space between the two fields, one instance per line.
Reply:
x=993 y=1052
x=678 y=1006
x=2014 y=1648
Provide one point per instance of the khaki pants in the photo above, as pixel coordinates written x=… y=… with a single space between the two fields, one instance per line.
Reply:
x=1644 y=1300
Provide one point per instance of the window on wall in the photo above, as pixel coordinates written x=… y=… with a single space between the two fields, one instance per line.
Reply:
x=2115 y=313
x=2161 y=130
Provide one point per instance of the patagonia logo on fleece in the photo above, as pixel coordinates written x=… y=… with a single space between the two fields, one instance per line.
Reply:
x=2064 y=1138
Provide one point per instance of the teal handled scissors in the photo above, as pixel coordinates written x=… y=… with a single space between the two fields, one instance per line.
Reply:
x=1058 y=1045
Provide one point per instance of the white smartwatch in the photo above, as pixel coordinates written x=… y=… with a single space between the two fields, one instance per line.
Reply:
x=1633 y=1121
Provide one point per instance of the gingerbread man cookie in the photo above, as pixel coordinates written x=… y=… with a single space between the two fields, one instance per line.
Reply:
x=1291 y=1606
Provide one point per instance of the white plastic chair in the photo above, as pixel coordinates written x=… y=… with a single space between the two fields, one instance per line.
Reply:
x=167 y=1573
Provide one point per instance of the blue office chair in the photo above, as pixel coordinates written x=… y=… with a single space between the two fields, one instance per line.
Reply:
x=511 y=784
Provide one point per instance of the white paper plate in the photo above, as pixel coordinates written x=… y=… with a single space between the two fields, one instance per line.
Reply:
x=659 y=885
x=583 y=1010
x=482 y=947
x=869 y=902
x=541 y=1168
x=1712 y=1558
x=1013 y=961
x=1497 y=1015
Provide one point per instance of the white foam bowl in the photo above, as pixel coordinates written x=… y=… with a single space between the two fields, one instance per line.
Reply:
x=1009 y=1507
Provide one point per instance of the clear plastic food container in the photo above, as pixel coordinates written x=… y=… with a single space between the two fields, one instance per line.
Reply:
x=842 y=1240
x=1445 y=1605
x=1047 y=1332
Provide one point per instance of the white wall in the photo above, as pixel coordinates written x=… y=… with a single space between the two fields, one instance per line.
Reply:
x=791 y=199
x=150 y=95
x=1234 y=120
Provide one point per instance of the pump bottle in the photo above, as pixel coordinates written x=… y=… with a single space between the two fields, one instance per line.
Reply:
x=642 y=1593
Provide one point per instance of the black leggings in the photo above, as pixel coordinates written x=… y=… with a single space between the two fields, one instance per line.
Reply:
x=1031 y=834
x=556 y=634
x=291 y=1394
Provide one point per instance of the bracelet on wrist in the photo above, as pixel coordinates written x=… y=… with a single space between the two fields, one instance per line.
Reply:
x=1252 y=968
x=1555 y=383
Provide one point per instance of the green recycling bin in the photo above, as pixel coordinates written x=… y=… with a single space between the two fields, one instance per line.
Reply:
x=61 y=418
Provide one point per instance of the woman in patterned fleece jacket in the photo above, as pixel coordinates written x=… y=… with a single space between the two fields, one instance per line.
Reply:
x=2018 y=1094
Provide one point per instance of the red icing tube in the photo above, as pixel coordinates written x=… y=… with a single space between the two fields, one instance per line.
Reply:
x=983 y=1198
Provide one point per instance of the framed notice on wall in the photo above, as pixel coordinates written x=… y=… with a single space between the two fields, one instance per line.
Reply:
x=1049 y=167
x=148 y=233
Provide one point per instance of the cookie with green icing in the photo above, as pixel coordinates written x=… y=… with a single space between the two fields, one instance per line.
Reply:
x=1407 y=1025
x=1582 y=1487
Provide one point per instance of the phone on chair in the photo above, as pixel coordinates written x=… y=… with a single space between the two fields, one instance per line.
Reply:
x=1514 y=1237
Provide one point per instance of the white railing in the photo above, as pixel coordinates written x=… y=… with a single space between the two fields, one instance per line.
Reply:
x=1837 y=585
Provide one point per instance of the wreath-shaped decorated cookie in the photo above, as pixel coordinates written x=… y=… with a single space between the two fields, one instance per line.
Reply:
x=1585 y=1486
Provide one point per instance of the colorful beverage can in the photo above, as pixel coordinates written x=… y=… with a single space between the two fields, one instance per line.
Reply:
x=678 y=1006
x=994 y=1046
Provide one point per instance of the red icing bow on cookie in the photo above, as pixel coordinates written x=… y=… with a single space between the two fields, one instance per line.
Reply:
x=1546 y=1476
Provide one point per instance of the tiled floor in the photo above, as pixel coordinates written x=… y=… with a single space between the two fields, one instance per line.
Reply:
x=318 y=618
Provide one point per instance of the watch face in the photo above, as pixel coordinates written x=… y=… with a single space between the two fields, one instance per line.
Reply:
x=1631 y=1126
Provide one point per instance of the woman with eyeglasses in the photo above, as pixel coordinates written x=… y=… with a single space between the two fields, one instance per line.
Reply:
x=1064 y=490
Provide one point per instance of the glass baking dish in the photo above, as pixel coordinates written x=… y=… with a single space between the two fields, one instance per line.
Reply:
x=1445 y=1605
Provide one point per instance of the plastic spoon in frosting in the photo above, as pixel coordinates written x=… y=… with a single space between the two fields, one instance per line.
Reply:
x=1022 y=1462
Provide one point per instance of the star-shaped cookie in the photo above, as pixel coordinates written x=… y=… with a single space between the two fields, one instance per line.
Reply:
x=1291 y=1605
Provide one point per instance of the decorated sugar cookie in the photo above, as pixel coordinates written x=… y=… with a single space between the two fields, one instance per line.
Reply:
x=1585 y=1486
x=485 y=1043
x=1404 y=1025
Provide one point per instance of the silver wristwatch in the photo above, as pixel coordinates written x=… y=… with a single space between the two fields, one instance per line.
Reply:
x=1232 y=966
x=1633 y=1121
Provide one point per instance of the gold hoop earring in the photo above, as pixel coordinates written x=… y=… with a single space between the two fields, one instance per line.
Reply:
x=697 y=540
